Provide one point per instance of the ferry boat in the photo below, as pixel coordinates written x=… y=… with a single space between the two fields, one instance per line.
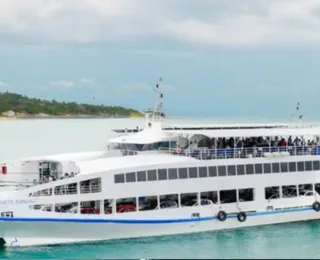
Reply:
x=164 y=180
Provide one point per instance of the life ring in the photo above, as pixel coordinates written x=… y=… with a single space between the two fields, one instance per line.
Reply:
x=222 y=216
x=179 y=150
x=316 y=206
x=242 y=216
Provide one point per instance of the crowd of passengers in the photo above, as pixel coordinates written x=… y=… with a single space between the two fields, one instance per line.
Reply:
x=253 y=142
x=224 y=143
x=53 y=176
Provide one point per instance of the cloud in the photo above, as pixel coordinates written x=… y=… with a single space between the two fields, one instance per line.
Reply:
x=3 y=84
x=62 y=83
x=86 y=81
x=137 y=87
x=168 y=53
x=205 y=22
x=131 y=89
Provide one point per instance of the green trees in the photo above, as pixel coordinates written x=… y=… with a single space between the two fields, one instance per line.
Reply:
x=33 y=106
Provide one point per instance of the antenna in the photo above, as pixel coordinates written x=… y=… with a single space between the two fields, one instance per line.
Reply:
x=157 y=112
x=296 y=116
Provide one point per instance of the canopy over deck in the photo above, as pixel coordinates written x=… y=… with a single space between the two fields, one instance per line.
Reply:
x=264 y=132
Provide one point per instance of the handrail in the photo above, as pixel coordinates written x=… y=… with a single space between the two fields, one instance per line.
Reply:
x=204 y=153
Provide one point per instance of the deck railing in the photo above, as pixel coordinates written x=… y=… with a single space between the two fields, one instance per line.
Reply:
x=242 y=152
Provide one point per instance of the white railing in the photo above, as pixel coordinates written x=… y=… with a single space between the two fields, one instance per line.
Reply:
x=241 y=152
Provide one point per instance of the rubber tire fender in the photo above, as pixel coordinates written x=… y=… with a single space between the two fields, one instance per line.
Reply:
x=242 y=216
x=316 y=206
x=222 y=216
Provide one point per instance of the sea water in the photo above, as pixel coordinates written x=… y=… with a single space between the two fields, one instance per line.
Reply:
x=24 y=138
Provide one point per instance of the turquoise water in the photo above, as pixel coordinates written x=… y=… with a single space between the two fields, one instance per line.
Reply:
x=295 y=240
x=38 y=137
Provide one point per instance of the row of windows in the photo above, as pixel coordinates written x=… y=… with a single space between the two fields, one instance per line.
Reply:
x=291 y=191
x=214 y=171
x=86 y=186
x=123 y=205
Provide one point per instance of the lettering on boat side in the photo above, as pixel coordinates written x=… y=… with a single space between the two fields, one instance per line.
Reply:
x=195 y=215
x=17 y=201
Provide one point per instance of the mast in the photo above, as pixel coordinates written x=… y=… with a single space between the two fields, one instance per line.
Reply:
x=295 y=116
x=157 y=112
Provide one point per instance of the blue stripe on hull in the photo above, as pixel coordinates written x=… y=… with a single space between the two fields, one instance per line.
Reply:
x=147 y=221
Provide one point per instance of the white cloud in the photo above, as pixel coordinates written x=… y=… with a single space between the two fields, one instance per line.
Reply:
x=62 y=83
x=137 y=87
x=3 y=84
x=86 y=81
x=221 y=22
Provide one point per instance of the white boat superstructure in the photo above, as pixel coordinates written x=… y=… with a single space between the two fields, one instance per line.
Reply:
x=164 y=181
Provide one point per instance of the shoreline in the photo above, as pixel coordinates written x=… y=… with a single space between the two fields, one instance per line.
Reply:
x=67 y=117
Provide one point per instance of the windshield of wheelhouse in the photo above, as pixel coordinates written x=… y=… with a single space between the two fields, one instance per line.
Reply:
x=145 y=147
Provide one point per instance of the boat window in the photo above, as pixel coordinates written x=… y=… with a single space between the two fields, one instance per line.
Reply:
x=169 y=201
x=240 y=169
x=266 y=168
x=130 y=177
x=91 y=207
x=70 y=207
x=193 y=172
x=231 y=169
x=275 y=167
x=183 y=173
x=162 y=174
x=272 y=193
x=189 y=199
x=249 y=169
x=213 y=171
x=108 y=206
x=42 y=207
x=222 y=170
x=152 y=175
x=70 y=189
x=7 y=214
x=317 y=188
x=212 y=196
x=306 y=189
x=148 y=203
x=126 y=205
x=245 y=195
x=228 y=196
x=90 y=186
x=141 y=176
x=45 y=192
x=316 y=165
x=173 y=174
x=119 y=178
x=308 y=165
x=300 y=166
x=258 y=168
x=292 y=167
x=284 y=167
x=203 y=172
x=289 y=191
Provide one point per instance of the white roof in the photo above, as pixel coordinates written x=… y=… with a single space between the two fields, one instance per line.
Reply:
x=146 y=136
x=128 y=162
x=250 y=132
x=74 y=157
x=279 y=125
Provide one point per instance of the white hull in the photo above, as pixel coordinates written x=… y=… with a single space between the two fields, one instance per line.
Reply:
x=20 y=233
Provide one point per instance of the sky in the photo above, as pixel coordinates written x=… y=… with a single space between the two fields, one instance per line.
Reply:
x=217 y=58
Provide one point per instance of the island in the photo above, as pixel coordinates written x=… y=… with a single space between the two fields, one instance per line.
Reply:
x=13 y=105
